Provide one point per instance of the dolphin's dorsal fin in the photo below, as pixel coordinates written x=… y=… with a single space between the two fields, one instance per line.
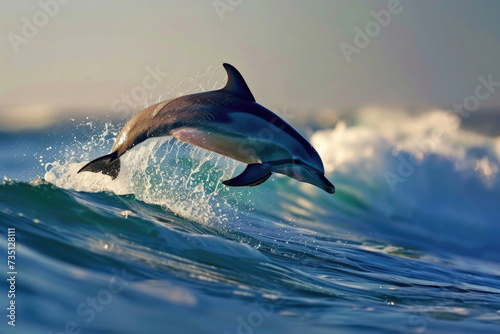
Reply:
x=236 y=84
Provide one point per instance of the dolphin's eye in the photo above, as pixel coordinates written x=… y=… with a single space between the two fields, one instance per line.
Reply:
x=297 y=161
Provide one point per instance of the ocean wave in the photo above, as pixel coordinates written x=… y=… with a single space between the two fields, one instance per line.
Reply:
x=422 y=255
x=437 y=180
x=410 y=179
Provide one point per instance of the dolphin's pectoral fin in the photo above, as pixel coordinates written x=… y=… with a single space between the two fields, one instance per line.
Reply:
x=253 y=175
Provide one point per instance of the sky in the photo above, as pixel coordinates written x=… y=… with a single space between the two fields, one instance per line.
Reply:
x=85 y=55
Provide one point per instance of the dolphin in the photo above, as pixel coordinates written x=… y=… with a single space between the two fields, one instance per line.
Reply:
x=227 y=121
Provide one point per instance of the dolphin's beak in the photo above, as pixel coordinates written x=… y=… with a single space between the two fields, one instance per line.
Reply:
x=317 y=179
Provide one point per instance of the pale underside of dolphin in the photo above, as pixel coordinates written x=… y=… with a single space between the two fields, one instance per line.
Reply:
x=229 y=122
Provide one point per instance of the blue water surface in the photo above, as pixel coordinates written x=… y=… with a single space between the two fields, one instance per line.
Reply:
x=408 y=244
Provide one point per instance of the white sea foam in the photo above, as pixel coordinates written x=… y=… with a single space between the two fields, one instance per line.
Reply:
x=422 y=169
x=374 y=144
x=180 y=177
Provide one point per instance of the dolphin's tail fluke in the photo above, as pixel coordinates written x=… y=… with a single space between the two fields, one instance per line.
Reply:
x=108 y=164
